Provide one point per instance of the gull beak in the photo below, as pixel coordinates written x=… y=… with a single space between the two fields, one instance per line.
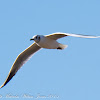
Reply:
x=31 y=39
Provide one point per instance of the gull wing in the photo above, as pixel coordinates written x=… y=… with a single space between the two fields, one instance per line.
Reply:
x=58 y=35
x=20 y=60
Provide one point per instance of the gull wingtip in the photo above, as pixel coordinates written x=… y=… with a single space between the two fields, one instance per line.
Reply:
x=1 y=86
x=98 y=36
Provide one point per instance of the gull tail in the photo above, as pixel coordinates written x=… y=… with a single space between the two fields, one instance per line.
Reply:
x=62 y=46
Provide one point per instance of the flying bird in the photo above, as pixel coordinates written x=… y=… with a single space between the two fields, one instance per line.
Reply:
x=41 y=41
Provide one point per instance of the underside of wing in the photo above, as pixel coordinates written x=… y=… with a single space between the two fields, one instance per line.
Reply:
x=20 y=60
x=58 y=35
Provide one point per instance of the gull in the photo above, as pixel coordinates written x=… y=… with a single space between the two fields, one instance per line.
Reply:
x=41 y=41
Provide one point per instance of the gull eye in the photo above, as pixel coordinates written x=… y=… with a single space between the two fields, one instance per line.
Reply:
x=36 y=37
x=39 y=37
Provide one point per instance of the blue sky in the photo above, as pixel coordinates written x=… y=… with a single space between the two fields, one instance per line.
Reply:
x=70 y=74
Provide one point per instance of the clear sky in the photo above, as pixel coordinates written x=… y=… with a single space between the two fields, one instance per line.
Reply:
x=70 y=74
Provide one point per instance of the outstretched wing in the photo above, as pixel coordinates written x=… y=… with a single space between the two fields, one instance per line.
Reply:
x=20 y=60
x=58 y=35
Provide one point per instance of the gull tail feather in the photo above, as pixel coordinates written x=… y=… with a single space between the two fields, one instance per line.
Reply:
x=62 y=46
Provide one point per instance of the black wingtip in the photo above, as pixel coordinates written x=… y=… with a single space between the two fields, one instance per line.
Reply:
x=2 y=86
x=8 y=79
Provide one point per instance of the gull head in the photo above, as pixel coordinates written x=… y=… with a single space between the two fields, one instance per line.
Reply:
x=37 y=38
